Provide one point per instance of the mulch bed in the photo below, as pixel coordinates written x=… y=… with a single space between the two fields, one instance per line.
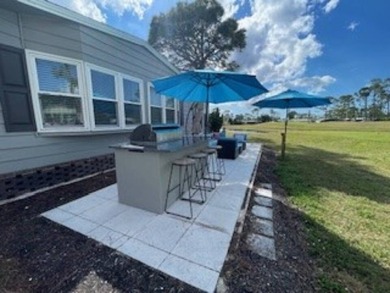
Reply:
x=37 y=255
x=293 y=271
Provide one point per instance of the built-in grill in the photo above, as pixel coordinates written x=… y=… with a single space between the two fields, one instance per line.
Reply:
x=153 y=135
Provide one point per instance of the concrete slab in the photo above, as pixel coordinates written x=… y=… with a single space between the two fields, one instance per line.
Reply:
x=263 y=201
x=264 y=227
x=80 y=225
x=191 y=273
x=163 y=232
x=131 y=221
x=262 y=245
x=203 y=246
x=262 y=212
x=219 y=219
x=58 y=215
x=263 y=192
x=143 y=252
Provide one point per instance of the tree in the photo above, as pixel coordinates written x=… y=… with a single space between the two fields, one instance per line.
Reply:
x=386 y=97
x=347 y=106
x=194 y=36
x=377 y=91
x=292 y=114
x=215 y=120
x=255 y=112
x=363 y=95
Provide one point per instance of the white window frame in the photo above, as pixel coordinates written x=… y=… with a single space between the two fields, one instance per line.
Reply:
x=120 y=109
x=169 y=108
x=142 y=98
x=31 y=57
x=163 y=106
x=85 y=94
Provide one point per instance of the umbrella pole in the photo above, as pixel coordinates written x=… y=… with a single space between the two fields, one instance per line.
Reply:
x=284 y=135
x=207 y=113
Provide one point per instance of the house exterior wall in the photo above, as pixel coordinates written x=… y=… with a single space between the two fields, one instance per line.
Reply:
x=9 y=28
x=47 y=33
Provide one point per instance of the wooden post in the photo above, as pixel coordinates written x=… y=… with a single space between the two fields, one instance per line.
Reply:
x=283 y=144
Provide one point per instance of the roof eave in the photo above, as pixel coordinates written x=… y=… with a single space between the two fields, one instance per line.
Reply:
x=89 y=22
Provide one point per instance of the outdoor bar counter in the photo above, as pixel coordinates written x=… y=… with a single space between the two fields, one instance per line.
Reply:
x=142 y=169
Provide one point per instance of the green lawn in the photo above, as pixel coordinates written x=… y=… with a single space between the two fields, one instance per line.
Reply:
x=338 y=175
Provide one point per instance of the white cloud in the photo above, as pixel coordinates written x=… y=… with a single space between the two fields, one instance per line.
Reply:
x=230 y=7
x=280 y=41
x=352 y=26
x=138 y=7
x=85 y=7
x=314 y=84
x=332 y=4
x=93 y=8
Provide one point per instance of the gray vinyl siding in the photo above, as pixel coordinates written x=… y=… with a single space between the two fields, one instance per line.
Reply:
x=50 y=34
x=9 y=29
x=26 y=151
x=116 y=54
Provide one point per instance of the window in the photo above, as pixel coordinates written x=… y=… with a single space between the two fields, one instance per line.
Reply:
x=132 y=98
x=156 y=107
x=104 y=98
x=61 y=102
x=58 y=100
x=162 y=109
x=170 y=110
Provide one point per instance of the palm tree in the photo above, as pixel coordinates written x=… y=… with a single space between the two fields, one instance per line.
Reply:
x=347 y=104
x=386 y=96
x=255 y=112
x=377 y=88
x=363 y=95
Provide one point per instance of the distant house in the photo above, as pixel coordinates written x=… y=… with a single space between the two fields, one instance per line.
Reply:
x=69 y=88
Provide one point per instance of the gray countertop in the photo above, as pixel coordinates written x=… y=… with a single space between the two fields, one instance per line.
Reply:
x=168 y=146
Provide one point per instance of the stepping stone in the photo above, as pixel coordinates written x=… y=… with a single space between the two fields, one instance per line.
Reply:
x=264 y=227
x=263 y=201
x=263 y=192
x=262 y=212
x=262 y=245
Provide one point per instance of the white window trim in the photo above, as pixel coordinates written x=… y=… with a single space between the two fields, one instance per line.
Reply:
x=163 y=106
x=120 y=110
x=142 y=98
x=85 y=94
x=170 y=108
x=31 y=56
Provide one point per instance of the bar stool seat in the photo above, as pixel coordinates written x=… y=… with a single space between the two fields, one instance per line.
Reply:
x=187 y=169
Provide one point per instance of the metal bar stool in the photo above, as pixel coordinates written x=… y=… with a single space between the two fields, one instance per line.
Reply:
x=220 y=161
x=186 y=170
x=212 y=158
x=202 y=169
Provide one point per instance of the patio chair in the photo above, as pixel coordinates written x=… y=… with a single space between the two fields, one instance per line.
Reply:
x=242 y=138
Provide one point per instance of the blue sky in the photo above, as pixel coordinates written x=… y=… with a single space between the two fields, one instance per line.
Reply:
x=326 y=47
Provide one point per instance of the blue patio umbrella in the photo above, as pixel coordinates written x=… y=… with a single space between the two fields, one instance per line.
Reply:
x=291 y=99
x=209 y=86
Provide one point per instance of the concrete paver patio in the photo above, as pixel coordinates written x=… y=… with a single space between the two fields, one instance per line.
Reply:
x=190 y=250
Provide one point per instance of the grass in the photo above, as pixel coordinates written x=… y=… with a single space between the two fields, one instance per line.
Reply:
x=338 y=175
